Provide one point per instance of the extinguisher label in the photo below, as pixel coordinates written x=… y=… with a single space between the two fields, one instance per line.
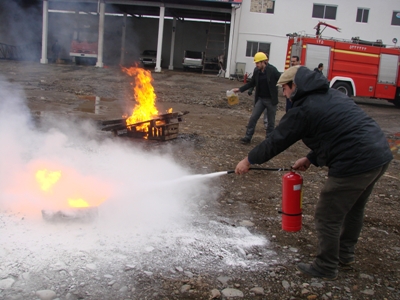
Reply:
x=297 y=187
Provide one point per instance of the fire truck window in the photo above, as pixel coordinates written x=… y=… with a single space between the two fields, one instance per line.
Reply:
x=362 y=15
x=396 y=18
x=324 y=11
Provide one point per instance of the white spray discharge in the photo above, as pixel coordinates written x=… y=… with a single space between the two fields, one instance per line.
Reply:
x=148 y=204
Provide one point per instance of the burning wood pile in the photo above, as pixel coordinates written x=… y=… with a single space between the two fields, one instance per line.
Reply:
x=161 y=127
x=145 y=121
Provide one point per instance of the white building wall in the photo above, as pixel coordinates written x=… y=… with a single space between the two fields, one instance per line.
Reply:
x=296 y=16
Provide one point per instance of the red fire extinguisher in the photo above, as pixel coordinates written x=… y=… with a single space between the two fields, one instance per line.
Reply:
x=292 y=197
x=246 y=75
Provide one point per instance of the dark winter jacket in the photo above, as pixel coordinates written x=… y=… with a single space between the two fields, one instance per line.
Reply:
x=339 y=133
x=273 y=77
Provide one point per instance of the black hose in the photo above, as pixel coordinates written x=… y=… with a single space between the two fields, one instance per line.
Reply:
x=262 y=169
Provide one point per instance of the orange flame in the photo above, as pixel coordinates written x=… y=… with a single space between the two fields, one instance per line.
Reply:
x=144 y=94
x=62 y=188
x=77 y=203
x=47 y=179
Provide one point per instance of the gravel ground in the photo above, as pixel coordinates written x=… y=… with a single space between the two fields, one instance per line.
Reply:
x=161 y=233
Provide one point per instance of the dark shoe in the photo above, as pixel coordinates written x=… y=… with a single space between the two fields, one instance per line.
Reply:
x=245 y=140
x=346 y=262
x=309 y=270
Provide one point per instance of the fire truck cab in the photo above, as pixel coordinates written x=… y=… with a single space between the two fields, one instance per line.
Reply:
x=355 y=67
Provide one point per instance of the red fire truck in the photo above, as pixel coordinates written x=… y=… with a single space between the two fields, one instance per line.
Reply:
x=84 y=40
x=355 y=67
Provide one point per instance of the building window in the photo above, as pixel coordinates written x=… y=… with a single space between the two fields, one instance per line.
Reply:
x=253 y=47
x=262 y=6
x=396 y=18
x=362 y=15
x=322 y=11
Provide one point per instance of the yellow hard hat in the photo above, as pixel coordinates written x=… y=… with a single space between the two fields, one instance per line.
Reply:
x=260 y=56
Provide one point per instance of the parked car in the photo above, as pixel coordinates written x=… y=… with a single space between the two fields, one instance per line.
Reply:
x=193 y=60
x=148 y=58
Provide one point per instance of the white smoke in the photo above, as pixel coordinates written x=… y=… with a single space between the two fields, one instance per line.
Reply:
x=148 y=202
x=128 y=179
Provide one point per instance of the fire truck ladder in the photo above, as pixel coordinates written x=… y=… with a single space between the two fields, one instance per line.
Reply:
x=215 y=46
x=319 y=31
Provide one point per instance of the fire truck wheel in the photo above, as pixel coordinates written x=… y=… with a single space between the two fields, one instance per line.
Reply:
x=343 y=87
x=396 y=102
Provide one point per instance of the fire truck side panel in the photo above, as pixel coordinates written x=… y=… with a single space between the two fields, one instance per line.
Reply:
x=387 y=76
x=354 y=68
x=391 y=54
x=367 y=50
x=316 y=54
x=315 y=41
x=356 y=57
x=365 y=85
x=388 y=69
x=385 y=91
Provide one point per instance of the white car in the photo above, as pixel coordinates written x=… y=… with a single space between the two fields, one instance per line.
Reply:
x=193 y=60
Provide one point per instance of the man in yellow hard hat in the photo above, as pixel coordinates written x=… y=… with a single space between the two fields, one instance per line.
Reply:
x=265 y=77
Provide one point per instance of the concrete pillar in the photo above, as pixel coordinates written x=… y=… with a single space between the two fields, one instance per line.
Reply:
x=96 y=105
x=160 y=38
x=171 y=57
x=45 y=28
x=231 y=30
x=122 y=60
x=99 y=63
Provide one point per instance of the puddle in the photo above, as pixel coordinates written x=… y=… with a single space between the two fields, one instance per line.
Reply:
x=94 y=104
x=394 y=143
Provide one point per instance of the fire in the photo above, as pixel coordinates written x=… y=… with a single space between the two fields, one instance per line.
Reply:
x=144 y=94
x=77 y=203
x=47 y=179
x=69 y=189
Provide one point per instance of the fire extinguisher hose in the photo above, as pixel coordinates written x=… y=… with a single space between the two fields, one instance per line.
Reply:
x=263 y=169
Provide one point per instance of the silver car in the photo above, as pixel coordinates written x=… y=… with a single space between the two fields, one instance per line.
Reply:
x=148 y=58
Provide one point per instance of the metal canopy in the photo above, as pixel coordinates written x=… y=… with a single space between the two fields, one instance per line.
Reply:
x=181 y=9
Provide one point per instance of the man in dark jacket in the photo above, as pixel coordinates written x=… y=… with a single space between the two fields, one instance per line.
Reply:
x=342 y=137
x=265 y=77
x=294 y=61
x=319 y=68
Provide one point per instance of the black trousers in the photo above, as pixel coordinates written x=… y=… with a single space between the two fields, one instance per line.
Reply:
x=339 y=217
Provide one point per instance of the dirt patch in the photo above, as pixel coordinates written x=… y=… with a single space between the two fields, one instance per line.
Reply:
x=235 y=245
